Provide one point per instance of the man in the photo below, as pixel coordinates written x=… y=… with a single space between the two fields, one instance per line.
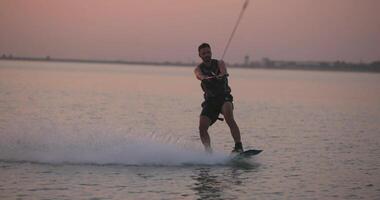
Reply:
x=217 y=97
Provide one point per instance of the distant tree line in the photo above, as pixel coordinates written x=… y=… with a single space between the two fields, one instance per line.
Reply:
x=265 y=63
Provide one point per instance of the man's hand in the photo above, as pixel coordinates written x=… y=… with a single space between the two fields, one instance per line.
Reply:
x=200 y=76
x=221 y=76
x=218 y=77
x=209 y=77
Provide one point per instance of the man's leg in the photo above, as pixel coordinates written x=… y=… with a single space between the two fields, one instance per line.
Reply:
x=204 y=123
x=227 y=111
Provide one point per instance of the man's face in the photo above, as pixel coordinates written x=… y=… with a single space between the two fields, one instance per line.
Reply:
x=205 y=54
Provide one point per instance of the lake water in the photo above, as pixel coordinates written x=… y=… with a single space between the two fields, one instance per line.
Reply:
x=99 y=131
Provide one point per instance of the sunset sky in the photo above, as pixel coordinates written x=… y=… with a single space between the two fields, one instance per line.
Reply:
x=171 y=30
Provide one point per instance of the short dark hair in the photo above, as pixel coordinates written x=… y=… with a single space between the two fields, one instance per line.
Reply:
x=203 y=45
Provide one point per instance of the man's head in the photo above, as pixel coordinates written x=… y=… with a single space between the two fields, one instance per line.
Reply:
x=204 y=51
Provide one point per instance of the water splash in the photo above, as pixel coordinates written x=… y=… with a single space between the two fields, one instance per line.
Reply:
x=100 y=148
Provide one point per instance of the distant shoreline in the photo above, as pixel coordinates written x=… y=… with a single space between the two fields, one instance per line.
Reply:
x=373 y=67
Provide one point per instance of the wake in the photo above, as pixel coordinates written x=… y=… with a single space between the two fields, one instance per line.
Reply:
x=114 y=151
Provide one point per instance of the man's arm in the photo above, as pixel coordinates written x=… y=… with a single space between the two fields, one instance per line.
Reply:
x=198 y=73
x=222 y=68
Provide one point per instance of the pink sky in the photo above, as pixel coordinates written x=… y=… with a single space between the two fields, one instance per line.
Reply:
x=160 y=30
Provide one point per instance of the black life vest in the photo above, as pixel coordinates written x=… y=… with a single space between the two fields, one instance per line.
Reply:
x=213 y=87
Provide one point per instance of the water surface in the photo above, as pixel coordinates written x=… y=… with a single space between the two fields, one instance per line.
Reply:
x=98 y=131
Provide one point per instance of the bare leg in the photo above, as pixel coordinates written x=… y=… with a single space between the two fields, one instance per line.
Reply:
x=227 y=111
x=204 y=124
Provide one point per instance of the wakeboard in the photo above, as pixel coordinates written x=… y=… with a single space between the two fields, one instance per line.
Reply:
x=245 y=154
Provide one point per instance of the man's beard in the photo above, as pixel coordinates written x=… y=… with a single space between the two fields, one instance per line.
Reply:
x=207 y=59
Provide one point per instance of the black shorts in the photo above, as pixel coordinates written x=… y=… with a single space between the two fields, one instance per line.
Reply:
x=212 y=106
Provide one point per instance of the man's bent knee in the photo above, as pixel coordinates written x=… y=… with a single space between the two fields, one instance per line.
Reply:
x=204 y=124
x=229 y=119
x=228 y=112
x=203 y=129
